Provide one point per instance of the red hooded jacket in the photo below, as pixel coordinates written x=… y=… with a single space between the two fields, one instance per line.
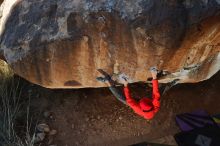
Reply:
x=146 y=107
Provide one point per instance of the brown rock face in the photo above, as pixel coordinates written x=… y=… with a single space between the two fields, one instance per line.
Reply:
x=60 y=43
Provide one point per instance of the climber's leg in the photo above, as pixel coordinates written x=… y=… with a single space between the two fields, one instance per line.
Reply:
x=107 y=80
x=119 y=95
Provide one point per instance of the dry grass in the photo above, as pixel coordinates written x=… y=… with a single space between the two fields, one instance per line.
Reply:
x=15 y=120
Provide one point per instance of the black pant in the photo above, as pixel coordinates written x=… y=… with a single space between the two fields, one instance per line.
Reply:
x=118 y=94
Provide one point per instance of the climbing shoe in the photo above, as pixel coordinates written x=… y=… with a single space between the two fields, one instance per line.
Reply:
x=101 y=79
x=106 y=77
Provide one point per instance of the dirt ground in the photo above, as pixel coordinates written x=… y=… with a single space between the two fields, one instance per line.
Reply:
x=95 y=117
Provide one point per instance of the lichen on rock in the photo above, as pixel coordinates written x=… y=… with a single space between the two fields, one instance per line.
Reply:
x=61 y=43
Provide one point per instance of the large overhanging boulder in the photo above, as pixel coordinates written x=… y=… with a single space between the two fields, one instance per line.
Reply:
x=61 y=43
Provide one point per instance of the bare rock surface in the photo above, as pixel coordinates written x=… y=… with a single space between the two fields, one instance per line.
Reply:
x=61 y=43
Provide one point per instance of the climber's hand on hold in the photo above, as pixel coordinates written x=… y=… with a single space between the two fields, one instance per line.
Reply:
x=125 y=81
x=153 y=71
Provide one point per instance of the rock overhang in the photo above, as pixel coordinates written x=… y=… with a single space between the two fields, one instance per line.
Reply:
x=60 y=44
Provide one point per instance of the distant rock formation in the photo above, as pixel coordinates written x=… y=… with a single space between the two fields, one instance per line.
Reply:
x=61 y=43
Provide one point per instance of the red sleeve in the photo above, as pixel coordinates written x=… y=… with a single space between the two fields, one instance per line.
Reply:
x=132 y=103
x=156 y=96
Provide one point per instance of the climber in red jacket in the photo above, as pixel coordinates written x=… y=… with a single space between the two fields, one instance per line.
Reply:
x=146 y=107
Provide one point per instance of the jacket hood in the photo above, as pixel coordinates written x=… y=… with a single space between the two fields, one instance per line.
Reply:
x=146 y=104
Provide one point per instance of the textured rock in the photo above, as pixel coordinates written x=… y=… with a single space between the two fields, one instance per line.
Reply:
x=61 y=43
